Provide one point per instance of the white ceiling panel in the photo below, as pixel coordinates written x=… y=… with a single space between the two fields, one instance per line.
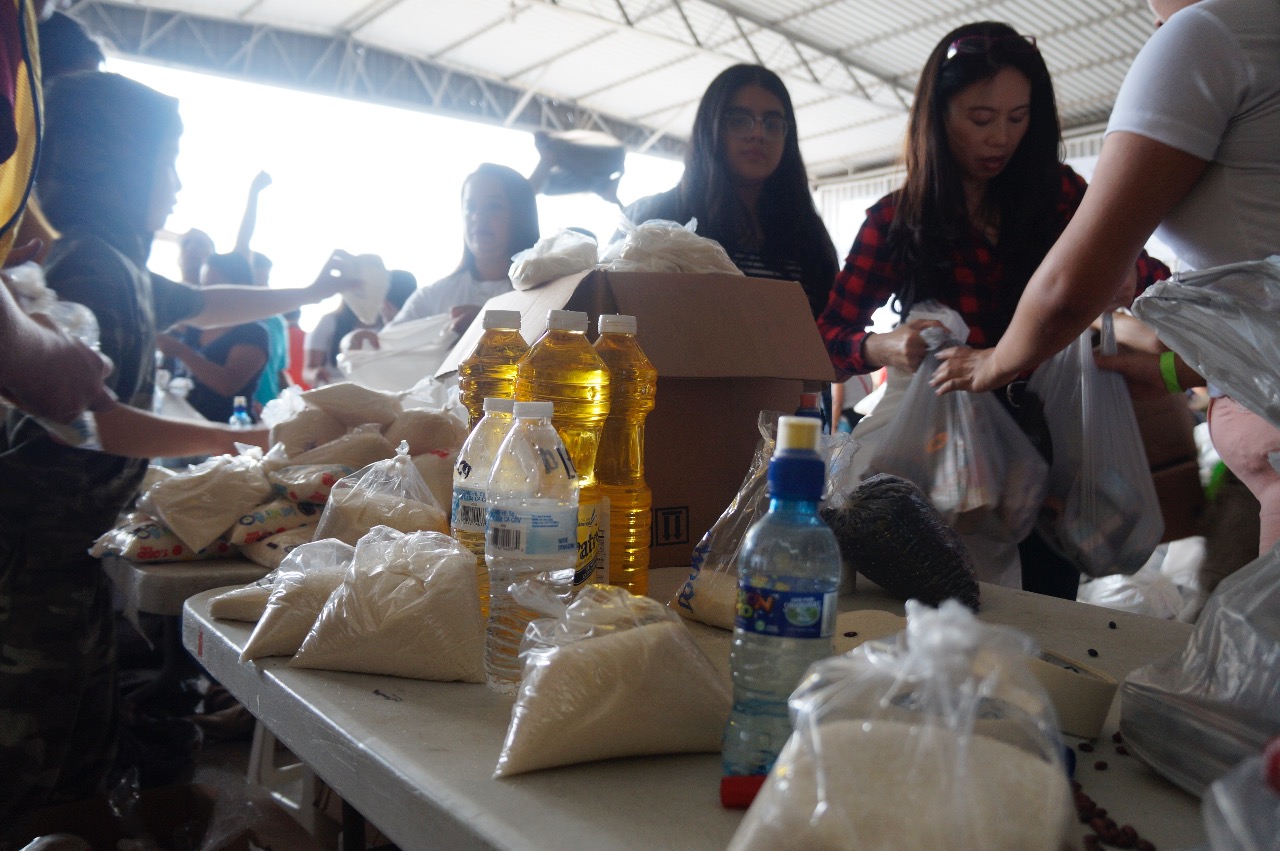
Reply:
x=851 y=65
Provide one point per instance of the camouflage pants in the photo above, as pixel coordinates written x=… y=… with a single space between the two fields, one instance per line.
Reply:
x=59 y=709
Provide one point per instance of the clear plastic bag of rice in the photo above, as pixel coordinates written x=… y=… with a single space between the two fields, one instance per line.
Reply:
x=303 y=583
x=613 y=675
x=943 y=739
x=386 y=493
x=408 y=606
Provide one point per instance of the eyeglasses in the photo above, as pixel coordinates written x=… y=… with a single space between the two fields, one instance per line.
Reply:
x=740 y=122
x=978 y=44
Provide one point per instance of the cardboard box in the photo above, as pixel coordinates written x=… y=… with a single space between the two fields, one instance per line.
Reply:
x=725 y=348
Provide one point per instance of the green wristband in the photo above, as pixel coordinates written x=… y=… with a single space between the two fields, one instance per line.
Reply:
x=1169 y=370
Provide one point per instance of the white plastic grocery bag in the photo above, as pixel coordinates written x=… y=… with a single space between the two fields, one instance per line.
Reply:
x=1101 y=511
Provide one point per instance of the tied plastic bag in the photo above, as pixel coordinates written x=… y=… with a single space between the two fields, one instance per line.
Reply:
x=142 y=539
x=965 y=451
x=1101 y=511
x=710 y=594
x=204 y=502
x=612 y=675
x=941 y=740
x=551 y=258
x=1242 y=808
x=270 y=552
x=366 y=302
x=662 y=246
x=406 y=352
x=246 y=603
x=1194 y=715
x=75 y=320
x=408 y=606
x=388 y=493
x=302 y=429
x=1224 y=322
x=355 y=450
x=303 y=583
x=353 y=405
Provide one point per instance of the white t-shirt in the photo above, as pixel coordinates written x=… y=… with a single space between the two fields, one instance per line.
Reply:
x=1208 y=83
x=457 y=289
x=320 y=338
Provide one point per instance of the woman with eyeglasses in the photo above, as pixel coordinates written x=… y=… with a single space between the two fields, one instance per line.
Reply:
x=985 y=196
x=1191 y=151
x=745 y=183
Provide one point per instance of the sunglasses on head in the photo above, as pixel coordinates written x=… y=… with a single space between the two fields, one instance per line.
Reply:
x=982 y=44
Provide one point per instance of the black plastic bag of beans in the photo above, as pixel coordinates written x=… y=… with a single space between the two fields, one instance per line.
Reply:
x=890 y=533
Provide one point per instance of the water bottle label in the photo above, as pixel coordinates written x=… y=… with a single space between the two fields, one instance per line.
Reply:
x=469 y=509
x=531 y=533
x=786 y=614
x=589 y=544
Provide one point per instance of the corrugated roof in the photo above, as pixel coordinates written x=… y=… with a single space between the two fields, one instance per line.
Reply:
x=851 y=65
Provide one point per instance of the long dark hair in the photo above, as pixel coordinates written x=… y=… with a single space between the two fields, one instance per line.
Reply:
x=932 y=213
x=524 y=212
x=786 y=213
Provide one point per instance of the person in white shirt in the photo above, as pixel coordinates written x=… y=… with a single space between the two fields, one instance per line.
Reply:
x=500 y=219
x=1190 y=154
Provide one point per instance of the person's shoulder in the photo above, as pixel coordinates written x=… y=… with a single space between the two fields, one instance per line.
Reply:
x=1071 y=180
x=253 y=333
x=883 y=211
x=73 y=255
x=663 y=205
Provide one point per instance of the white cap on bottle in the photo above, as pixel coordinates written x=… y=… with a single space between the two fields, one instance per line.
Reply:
x=617 y=323
x=567 y=320
x=533 y=410
x=799 y=432
x=501 y=404
x=501 y=319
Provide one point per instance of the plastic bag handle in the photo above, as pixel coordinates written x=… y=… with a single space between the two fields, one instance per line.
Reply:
x=1108 y=346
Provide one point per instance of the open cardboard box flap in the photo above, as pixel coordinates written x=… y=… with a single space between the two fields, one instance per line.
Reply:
x=725 y=347
x=690 y=326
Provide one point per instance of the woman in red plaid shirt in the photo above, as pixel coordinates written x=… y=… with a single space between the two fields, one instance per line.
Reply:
x=985 y=196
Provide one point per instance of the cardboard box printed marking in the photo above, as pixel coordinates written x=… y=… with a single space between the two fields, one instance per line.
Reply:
x=725 y=347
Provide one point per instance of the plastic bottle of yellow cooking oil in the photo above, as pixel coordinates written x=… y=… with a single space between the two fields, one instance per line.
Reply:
x=563 y=368
x=633 y=384
x=490 y=369
x=471 y=483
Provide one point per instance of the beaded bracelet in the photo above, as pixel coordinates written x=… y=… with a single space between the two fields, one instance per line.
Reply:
x=1169 y=370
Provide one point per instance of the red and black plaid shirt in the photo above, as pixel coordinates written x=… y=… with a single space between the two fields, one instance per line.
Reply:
x=870 y=278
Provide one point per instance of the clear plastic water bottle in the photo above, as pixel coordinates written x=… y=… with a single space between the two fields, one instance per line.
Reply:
x=532 y=532
x=633 y=384
x=490 y=369
x=471 y=485
x=788 y=577
x=240 y=418
x=563 y=368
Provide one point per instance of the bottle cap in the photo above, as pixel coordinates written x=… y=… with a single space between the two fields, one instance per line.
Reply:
x=533 y=410
x=617 y=323
x=567 y=320
x=798 y=433
x=738 y=791
x=796 y=470
x=810 y=400
x=239 y=402
x=501 y=319
x=500 y=404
